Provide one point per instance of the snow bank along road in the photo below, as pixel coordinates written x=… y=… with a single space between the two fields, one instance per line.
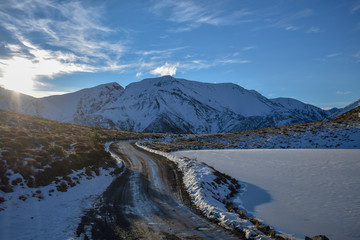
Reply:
x=147 y=201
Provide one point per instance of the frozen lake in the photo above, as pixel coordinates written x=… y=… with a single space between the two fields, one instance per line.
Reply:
x=299 y=191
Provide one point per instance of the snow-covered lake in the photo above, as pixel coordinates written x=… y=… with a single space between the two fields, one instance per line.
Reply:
x=299 y=191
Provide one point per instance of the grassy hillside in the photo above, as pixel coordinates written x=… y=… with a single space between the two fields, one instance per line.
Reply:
x=35 y=152
x=342 y=132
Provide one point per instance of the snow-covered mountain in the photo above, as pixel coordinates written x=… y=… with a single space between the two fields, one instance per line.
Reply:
x=167 y=104
x=344 y=109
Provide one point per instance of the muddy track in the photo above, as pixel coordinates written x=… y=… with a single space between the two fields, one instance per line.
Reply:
x=147 y=201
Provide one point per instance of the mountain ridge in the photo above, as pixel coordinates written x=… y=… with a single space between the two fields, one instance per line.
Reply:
x=345 y=109
x=168 y=104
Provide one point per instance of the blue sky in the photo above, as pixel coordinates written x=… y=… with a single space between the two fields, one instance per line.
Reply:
x=305 y=49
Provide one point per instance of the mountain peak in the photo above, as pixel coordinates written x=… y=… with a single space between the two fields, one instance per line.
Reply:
x=162 y=79
x=169 y=104
x=111 y=85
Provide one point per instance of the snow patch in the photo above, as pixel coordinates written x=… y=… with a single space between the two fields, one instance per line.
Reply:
x=53 y=217
x=45 y=213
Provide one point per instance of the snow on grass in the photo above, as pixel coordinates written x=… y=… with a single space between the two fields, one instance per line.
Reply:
x=301 y=191
x=54 y=217
x=45 y=213
x=209 y=197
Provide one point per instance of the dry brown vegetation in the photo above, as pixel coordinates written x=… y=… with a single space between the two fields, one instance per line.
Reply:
x=43 y=151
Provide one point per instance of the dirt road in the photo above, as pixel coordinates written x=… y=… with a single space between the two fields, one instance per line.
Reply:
x=146 y=202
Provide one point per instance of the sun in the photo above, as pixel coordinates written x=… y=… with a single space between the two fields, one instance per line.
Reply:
x=17 y=75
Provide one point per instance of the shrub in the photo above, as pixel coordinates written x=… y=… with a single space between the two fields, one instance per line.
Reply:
x=82 y=147
x=233 y=190
x=25 y=171
x=265 y=229
x=97 y=171
x=24 y=142
x=56 y=150
x=6 y=153
x=22 y=198
x=62 y=187
x=88 y=171
x=6 y=188
x=13 y=145
x=229 y=206
x=44 y=178
x=45 y=141
x=40 y=197
x=31 y=182
x=28 y=152
x=95 y=138
x=61 y=168
x=241 y=213
x=16 y=181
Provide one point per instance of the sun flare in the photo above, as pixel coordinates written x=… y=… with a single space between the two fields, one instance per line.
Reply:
x=18 y=75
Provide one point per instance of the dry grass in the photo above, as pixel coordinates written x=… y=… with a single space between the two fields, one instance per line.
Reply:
x=42 y=150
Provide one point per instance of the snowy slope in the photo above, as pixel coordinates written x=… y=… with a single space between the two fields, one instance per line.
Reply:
x=300 y=109
x=64 y=107
x=16 y=102
x=168 y=104
x=345 y=109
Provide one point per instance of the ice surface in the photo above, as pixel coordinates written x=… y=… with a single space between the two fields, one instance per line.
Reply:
x=301 y=191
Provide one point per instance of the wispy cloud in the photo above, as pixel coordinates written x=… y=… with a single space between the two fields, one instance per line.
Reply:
x=248 y=48
x=233 y=61
x=160 y=52
x=68 y=25
x=204 y=64
x=355 y=8
x=22 y=73
x=195 y=65
x=357 y=56
x=332 y=55
x=313 y=30
x=343 y=92
x=69 y=38
x=285 y=21
x=190 y=15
